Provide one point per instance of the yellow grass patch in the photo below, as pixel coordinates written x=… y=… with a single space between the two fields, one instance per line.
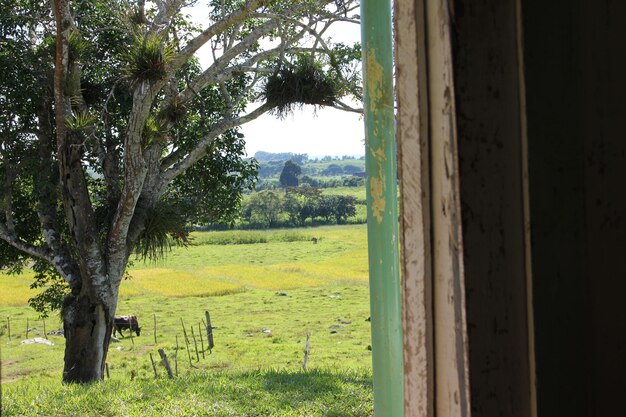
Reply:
x=15 y=289
x=271 y=277
x=330 y=271
x=129 y=288
x=175 y=283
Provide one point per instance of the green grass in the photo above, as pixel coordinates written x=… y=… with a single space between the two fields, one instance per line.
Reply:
x=215 y=394
x=283 y=283
x=242 y=237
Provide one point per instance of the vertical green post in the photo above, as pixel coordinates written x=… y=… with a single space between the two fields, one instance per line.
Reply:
x=382 y=206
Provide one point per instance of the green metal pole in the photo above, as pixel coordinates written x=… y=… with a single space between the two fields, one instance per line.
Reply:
x=382 y=206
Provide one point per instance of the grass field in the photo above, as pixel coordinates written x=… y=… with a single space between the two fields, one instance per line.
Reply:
x=272 y=393
x=264 y=291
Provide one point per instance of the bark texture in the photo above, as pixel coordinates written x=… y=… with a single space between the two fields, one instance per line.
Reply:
x=87 y=325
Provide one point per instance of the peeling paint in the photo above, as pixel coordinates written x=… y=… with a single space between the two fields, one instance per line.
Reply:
x=378 y=198
x=374 y=79
x=379 y=153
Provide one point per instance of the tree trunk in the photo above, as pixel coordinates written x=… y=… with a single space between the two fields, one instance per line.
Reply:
x=87 y=324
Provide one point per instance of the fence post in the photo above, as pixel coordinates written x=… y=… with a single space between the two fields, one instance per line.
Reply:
x=186 y=341
x=184 y=331
x=153 y=366
x=307 y=347
x=44 y=328
x=176 y=356
x=201 y=339
x=166 y=363
x=195 y=344
x=209 y=330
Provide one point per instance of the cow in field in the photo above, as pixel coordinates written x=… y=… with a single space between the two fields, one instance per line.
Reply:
x=126 y=323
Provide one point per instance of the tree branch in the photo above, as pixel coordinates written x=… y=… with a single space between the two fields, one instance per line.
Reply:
x=177 y=162
x=61 y=265
x=76 y=201
x=208 y=76
x=214 y=30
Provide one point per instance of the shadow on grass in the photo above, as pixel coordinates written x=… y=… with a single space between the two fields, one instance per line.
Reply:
x=330 y=393
x=334 y=393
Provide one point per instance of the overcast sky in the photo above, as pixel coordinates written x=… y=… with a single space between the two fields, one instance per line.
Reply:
x=325 y=132
x=331 y=132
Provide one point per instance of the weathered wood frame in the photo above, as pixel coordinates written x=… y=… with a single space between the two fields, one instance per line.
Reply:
x=447 y=254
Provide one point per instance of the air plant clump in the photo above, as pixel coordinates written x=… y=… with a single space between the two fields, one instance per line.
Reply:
x=175 y=111
x=155 y=131
x=164 y=227
x=77 y=46
x=79 y=121
x=291 y=87
x=148 y=59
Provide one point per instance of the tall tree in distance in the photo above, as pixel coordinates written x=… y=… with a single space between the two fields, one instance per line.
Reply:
x=114 y=136
x=289 y=174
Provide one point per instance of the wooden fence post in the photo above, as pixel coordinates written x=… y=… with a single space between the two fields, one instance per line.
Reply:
x=153 y=366
x=44 y=328
x=166 y=363
x=184 y=331
x=195 y=343
x=209 y=330
x=307 y=347
x=186 y=341
x=176 y=356
x=201 y=339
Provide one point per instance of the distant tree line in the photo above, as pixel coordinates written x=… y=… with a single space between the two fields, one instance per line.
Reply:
x=316 y=182
x=295 y=207
x=272 y=165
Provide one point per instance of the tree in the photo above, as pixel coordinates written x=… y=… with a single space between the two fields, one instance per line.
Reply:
x=351 y=169
x=339 y=207
x=301 y=203
x=332 y=170
x=289 y=174
x=114 y=136
x=344 y=207
x=264 y=207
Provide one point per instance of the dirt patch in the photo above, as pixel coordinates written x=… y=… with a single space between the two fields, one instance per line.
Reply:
x=11 y=377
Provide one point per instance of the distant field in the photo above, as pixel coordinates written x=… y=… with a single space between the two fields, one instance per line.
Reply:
x=262 y=298
x=356 y=192
x=315 y=168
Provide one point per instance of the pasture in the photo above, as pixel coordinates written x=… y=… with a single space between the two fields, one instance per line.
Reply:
x=264 y=291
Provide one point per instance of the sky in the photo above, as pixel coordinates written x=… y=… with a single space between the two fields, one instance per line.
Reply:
x=327 y=131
